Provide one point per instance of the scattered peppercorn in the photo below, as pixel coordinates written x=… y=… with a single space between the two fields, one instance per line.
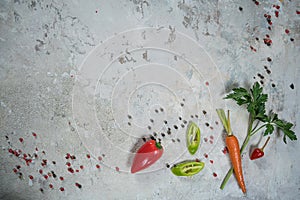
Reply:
x=269 y=59
x=273 y=85
x=240 y=8
x=78 y=185
x=292 y=86
x=175 y=126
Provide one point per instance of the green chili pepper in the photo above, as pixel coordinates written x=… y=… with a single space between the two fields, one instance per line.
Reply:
x=187 y=168
x=193 y=138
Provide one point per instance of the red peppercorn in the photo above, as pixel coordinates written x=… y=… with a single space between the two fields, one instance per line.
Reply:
x=287 y=31
x=21 y=140
x=98 y=166
x=78 y=185
x=68 y=164
x=68 y=156
x=71 y=170
x=15 y=170
x=62 y=189
x=117 y=169
x=41 y=171
x=18 y=166
x=50 y=186
x=46 y=176
x=88 y=156
x=211 y=161
x=61 y=178
x=34 y=134
x=30 y=177
x=206 y=155
x=215 y=174
x=276 y=13
x=81 y=166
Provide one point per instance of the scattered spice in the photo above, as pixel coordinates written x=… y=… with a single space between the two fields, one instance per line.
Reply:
x=240 y=8
x=292 y=86
x=88 y=156
x=287 y=31
x=269 y=59
x=215 y=174
x=78 y=185
x=71 y=170
x=21 y=140
x=98 y=166
x=62 y=189
x=34 y=134
x=175 y=126
x=61 y=178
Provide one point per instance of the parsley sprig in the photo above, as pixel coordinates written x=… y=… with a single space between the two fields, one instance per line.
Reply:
x=255 y=101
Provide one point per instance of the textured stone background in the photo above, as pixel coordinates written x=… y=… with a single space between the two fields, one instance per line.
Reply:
x=42 y=45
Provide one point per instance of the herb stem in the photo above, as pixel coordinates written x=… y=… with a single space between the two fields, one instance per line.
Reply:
x=255 y=131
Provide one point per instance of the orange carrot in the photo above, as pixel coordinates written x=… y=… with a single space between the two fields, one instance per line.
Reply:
x=235 y=156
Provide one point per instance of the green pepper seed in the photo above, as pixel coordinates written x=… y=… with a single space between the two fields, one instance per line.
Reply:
x=187 y=168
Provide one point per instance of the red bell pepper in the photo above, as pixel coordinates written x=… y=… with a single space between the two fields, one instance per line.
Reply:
x=147 y=155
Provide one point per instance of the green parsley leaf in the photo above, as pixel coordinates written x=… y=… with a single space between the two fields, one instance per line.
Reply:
x=269 y=129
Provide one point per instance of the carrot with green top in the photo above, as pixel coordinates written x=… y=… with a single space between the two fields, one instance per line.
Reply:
x=233 y=149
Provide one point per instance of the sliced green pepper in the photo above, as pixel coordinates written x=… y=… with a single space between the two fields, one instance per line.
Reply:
x=187 y=168
x=193 y=138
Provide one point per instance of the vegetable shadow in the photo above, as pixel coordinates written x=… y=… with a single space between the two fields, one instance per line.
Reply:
x=135 y=148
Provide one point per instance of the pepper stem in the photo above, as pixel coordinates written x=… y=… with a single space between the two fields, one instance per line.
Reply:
x=262 y=149
x=158 y=145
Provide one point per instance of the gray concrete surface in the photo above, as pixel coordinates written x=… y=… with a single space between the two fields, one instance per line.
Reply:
x=72 y=71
